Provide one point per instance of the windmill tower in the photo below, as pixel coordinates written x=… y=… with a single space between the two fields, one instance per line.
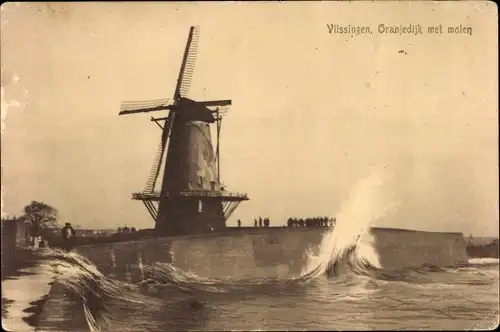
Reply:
x=191 y=198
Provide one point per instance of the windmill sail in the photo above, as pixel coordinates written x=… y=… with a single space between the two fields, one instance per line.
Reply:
x=182 y=89
x=131 y=107
x=188 y=63
x=157 y=163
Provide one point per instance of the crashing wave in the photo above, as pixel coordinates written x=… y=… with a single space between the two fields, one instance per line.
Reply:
x=348 y=247
x=95 y=290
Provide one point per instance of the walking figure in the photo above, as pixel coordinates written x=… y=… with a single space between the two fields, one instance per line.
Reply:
x=68 y=234
x=36 y=236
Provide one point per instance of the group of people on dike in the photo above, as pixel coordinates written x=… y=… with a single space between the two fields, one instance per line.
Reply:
x=311 y=222
x=261 y=222
x=126 y=229
x=36 y=236
x=258 y=222
x=296 y=222
x=68 y=234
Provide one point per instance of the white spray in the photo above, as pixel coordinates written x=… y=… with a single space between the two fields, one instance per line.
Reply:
x=350 y=240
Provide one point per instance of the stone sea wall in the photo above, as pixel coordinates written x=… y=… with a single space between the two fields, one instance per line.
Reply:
x=272 y=252
x=399 y=248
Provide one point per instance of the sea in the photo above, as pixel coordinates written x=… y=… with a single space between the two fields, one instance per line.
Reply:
x=342 y=287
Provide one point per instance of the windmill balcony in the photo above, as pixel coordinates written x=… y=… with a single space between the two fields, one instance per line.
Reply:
x=227 y=196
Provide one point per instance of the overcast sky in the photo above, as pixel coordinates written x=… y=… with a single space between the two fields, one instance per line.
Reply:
x=311 y=113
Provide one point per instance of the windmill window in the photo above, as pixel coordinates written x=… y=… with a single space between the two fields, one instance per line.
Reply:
x=200 y=206
x=200 y=180
x=212 y=185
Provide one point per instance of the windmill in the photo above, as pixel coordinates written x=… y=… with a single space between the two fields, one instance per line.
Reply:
x=191 y=198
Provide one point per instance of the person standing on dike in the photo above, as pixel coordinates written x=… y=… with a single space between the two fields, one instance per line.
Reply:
x=68 y=234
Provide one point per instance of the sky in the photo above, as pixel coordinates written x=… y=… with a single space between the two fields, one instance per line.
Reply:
x=312 y=111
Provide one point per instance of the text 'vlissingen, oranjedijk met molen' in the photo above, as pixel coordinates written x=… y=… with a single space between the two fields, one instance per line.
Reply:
x=414 y=29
